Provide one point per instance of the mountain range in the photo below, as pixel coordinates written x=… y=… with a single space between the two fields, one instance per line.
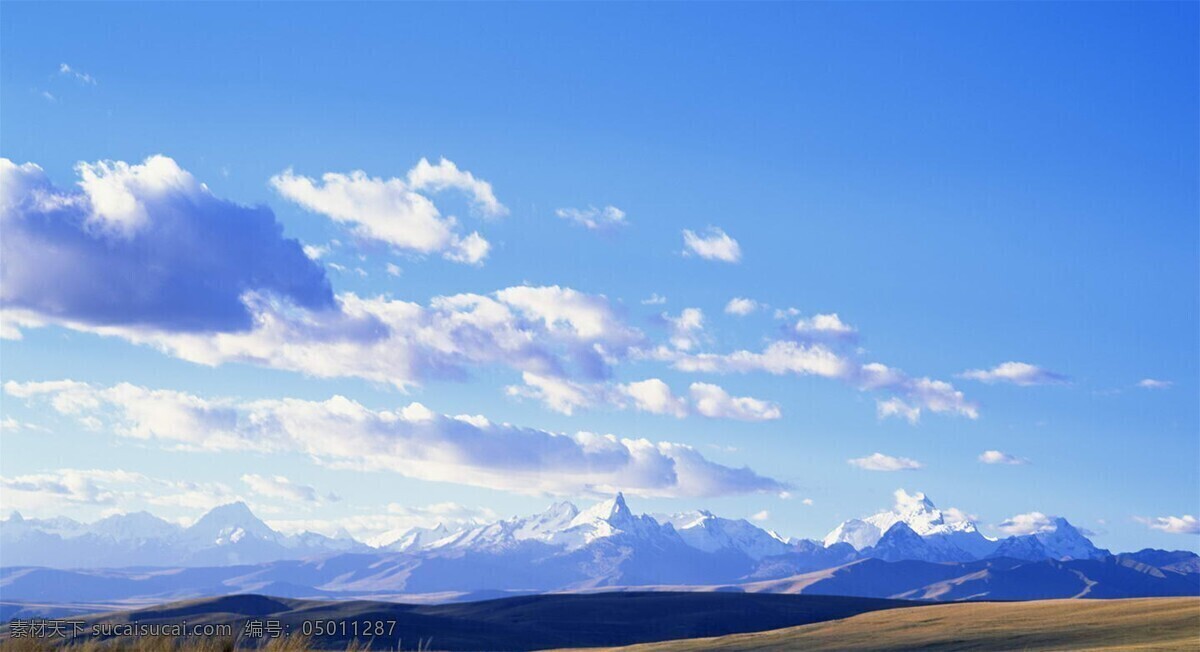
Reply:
x=913 y=551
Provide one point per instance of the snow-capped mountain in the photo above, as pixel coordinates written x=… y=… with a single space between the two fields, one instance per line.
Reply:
x=1059 y=540
x=415 y=538
x=946 y=539
x=607 y=540
x=901 y=542
x=705 y=531
x=135 y=527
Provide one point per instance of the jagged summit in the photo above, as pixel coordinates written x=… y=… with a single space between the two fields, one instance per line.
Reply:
x=948 y=538
x=913 y=529
x=613 y=511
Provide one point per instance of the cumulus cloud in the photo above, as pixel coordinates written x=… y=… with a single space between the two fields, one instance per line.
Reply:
x=714 y=402
x=1016 y=373
x=881 y=462
x=278 y=486
x=714 y=244
x=395 y=211
x=1186 y=524
x=1152 y=383
x=824 y=359
x=654 y=300
x=1029 y=523
x=997 y=457
x=895 y=407
x=558 y=394
x=412 y=441
x=118 y=489
x=686 y=328
x=593 y=218
x=740 y=306
x=761 y=516
x=543 y=330
x=828 y=326
x=654 y=396
x=144 y=245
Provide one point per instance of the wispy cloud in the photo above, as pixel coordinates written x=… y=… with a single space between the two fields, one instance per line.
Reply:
x=1186 y=524
x=594 y=219
x=77 y=75
x=1153 y=383
x=997 y=457
x=412 y=441
x=881 y=462
x=1017 y=373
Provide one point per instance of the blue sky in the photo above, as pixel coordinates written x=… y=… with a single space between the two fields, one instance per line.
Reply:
x=962 y=185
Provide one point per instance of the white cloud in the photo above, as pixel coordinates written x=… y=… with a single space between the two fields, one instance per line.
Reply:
x=655 y=396
x=761 y=516
x=651 y=395
x=278 y=486
x=1186 y=524
x=807 y=501
x=145 y=246
x=1152 y=383
x=997 y=457
x=80 y=488
x=1017 y=373
x=740 y=306
x=895 y=407
x=881 y=462
x=446 y=175
x=824 y=326
x=394 y=211
x=594 y=218
x=394 y=270
x=714 y=402
x=413 y=442
x=1029 y=523
x=654 y=300
x=78 y=75
x=686 y=328
x=778 y=358
x=956 y=515
x=713 y=245
x=543 y=330
x=558 y=394
x=820 y=359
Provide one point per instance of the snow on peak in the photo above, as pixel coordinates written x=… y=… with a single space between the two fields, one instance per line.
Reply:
x=919 y=514
x=613 y=511
x=704 y=531
x=230 y=524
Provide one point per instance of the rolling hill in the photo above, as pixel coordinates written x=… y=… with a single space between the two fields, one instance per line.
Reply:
x=1146 y=623
x=521 y=623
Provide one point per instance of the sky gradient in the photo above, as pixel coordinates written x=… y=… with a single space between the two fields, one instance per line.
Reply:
x=531 y=212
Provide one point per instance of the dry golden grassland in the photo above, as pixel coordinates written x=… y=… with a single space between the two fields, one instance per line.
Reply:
x=1134 y=624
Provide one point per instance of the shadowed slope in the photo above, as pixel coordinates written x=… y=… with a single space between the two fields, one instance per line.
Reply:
x=521 y=623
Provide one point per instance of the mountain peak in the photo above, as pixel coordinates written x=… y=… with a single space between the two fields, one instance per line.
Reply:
x=613 y=510
x=230 y=523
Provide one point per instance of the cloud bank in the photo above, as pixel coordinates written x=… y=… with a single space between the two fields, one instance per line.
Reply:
x=144 y=245
x=411 y=441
